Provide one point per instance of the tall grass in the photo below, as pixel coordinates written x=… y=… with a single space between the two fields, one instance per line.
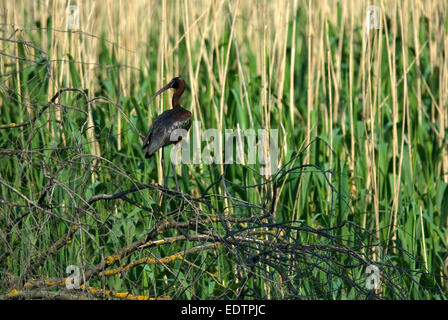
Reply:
x=372 y=107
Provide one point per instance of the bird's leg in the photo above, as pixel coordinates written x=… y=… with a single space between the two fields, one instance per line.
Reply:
x=175 y=175
x=163 y=170
x=175 y=150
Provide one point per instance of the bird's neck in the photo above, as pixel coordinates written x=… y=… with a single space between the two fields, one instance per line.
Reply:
x=177 y=94
x=176 y=103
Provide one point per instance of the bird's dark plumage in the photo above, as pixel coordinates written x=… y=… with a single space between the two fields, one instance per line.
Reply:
x=160 y=133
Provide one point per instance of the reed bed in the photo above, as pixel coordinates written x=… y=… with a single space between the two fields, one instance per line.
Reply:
x=362 y=120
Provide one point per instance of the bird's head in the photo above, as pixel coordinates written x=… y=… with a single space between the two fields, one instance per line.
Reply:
x=176 y=83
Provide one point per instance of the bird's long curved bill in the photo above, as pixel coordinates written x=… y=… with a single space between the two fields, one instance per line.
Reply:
x=168 y=86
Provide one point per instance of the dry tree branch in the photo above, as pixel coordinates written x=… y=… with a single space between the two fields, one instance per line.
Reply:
x=42 y=110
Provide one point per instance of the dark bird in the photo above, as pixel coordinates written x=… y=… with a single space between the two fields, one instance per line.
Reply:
x=159 y=135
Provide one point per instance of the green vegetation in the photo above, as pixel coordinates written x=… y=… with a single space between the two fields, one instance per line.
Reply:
x=367 y=111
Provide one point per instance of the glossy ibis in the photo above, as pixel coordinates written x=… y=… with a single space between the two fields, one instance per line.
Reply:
x=159 y=135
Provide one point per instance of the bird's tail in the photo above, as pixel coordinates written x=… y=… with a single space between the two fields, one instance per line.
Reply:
x=148 y=156
x=146 y=152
